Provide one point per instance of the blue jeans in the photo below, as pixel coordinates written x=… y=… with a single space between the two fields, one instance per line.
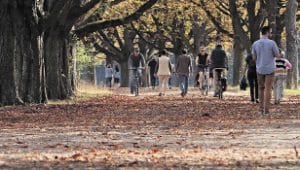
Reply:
x=183 y=83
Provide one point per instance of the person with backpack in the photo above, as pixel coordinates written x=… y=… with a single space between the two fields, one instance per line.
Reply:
x=282 y=66
x=219 y=61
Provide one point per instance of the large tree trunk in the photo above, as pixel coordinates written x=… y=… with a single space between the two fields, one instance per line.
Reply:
x=291 y=43
x=57 y=52
x=21 y=59
x=124 y=74
x=237 y=60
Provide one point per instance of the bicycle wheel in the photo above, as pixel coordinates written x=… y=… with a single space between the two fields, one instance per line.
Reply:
x=137 y=87
x=220 y=90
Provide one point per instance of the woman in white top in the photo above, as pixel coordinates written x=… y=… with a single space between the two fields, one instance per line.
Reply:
x=163 y=71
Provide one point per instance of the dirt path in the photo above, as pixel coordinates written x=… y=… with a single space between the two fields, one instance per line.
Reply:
x=149 y=132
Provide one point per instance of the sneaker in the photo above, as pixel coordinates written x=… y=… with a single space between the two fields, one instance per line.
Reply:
x=256 y=101
x=182 y=94
x=160 y=94
x=216 y=95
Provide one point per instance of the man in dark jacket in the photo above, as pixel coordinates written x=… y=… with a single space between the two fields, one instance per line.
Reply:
x=218 y=61
x=136 y=63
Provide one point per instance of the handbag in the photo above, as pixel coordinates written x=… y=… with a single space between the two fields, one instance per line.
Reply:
x=243 y=83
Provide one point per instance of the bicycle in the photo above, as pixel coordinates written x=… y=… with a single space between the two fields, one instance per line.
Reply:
x=205 y=85
x=221 y=83
x=137 y=72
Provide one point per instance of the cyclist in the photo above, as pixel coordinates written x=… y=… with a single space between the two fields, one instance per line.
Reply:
x=202 y=62
x=136 y=60
x=219 y=63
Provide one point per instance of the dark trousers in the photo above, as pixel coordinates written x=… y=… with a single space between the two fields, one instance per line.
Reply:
x=252 y=79
x=153 y=80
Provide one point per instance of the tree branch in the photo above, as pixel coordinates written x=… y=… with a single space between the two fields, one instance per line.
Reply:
x=95 y=26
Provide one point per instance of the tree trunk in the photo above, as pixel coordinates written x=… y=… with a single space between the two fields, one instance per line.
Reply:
x=291 y=43
x=57 y=53
x=237 y=60
x=21 y=59
x=124 y=73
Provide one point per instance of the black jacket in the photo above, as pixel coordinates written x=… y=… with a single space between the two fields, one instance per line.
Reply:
x=218 y=59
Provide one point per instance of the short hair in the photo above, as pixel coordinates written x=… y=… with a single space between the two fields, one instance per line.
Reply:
x=184 y=51
x=163 y=52
x=265 y=30
x=218 y=46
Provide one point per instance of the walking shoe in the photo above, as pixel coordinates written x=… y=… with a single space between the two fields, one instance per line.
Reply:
x=182 y=94
x=160 y=94
x=256 y=101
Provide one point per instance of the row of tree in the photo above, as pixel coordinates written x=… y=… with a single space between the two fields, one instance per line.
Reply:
x=37 y=38
x=200 y=22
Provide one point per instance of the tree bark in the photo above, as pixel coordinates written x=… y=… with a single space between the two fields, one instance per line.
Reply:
x=291 y=43
x=237 y=60
x=124 y=73
x=57 y=53
x=21 y=57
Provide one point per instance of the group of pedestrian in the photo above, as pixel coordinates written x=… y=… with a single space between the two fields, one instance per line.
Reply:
x=271 y=69
x=112 y=75
x=266 y=65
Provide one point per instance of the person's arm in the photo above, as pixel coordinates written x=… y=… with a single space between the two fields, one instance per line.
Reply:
x=170 y=66
x=288 y=64
x=142 y=60
x=276 y=50
x=253 y=52
x=197 y=60
x=156 y=66
x=129 y=62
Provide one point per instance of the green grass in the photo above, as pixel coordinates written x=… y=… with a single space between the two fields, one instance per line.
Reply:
x=84 y=92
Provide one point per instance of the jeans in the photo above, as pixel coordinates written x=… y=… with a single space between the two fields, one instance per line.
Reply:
x=183 y=83
x=153 y=80
x=252 y=79
x=278 y=87
x=265 y=83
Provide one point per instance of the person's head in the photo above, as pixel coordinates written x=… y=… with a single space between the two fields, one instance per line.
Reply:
x=184 y=51
x=281 y=53
x=202 y=50
x=162 y=53
x=136 y=51
x=218 y=46
x=108 y=66
x=266 y=31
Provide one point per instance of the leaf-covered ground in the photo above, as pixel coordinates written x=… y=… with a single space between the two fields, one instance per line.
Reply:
x=151 y=132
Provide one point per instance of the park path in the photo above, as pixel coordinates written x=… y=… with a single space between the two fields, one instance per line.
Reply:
x=151 y=132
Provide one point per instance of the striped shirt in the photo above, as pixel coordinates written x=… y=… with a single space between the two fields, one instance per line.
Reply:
x=281 y=68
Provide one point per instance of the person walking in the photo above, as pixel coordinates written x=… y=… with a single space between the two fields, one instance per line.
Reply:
x=163 y=71
x=252 y=78
x=152 y=66
x=117 y=76
x=108 y=75
x=264 y=52
x=183 y=68
x=282 y=66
